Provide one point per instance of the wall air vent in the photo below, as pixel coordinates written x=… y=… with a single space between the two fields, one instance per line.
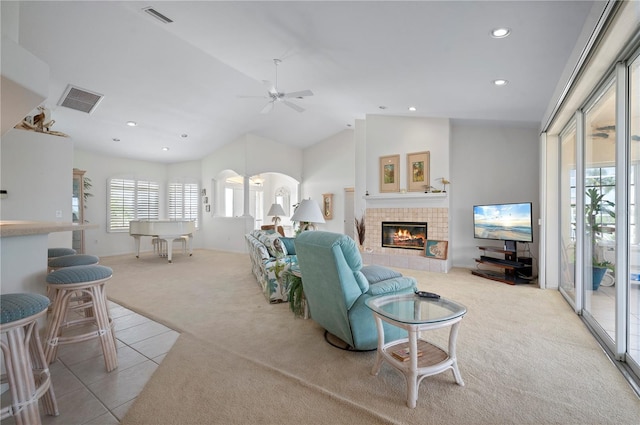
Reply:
x=80 y=99
x=159 y=16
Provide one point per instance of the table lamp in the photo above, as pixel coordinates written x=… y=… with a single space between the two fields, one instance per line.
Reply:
x=307 y=213
x=275 y=211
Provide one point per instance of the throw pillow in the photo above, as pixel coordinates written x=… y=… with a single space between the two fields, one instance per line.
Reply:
x=289 y=245
x=275 y=246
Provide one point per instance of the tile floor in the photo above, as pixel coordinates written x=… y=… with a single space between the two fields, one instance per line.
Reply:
x=602 y=307
x=85 y=392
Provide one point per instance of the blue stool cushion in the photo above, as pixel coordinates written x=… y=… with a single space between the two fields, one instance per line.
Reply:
x=18 y=306
x=73 y=260
x=79 y=274
x=60 y=252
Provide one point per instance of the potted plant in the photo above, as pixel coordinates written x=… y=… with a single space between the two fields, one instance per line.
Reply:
x=360 y=229
x=596 y=204
x=297 y=300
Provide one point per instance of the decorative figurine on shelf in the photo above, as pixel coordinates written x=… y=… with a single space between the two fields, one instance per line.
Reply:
x=445 y=182
x=40 y=122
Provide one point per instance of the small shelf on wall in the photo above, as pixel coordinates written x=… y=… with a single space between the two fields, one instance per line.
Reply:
x=409 y=195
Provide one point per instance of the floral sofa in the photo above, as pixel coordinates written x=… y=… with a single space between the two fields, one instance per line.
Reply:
x=271 y=256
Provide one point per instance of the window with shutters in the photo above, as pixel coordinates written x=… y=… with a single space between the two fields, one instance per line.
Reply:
x=131 y=199
x=184 y=200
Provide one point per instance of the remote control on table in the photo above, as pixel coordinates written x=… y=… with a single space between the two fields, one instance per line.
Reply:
x=425 y=294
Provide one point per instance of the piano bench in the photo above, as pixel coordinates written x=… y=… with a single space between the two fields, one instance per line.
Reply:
x=160 y=247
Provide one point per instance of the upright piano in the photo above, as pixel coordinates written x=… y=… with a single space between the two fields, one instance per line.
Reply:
x=166 y=230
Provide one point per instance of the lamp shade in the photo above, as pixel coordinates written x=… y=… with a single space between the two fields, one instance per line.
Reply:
x=275 y=210
x=308 y=211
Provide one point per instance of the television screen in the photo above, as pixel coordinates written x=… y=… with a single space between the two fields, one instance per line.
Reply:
x=505 y=222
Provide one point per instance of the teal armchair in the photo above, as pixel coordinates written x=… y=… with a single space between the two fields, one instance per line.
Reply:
x=336 y=286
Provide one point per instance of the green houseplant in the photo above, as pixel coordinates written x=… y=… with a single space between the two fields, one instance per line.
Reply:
x=297 y=301
x=596 y=205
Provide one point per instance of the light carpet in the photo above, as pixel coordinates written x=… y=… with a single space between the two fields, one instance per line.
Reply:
x=525 y=357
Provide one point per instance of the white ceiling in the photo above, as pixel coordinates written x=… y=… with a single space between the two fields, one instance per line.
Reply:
x=187 y=76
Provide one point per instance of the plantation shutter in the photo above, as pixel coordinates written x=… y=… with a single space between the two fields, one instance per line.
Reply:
x=131 y=199
x=183 y=201
x=122 y=201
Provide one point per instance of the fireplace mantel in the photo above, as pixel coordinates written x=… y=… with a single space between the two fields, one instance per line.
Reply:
x=413 y=195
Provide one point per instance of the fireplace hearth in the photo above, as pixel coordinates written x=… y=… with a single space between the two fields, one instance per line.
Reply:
x=404 y=235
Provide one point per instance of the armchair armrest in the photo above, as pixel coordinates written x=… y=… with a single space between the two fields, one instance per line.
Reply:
x=392 y=286
x=375 y=273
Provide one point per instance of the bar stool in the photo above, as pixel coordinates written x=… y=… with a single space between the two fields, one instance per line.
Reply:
x=60 y=252
x=89 y=281
x=72 y=260
x=28 y=373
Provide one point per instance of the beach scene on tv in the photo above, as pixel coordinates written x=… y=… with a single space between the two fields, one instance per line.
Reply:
x=509 y=222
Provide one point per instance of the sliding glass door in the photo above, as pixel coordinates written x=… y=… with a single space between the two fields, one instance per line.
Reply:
x=567 y=210
x=599 y=186
x=633 y=231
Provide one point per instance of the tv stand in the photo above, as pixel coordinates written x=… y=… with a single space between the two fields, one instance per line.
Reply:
x=507 y=269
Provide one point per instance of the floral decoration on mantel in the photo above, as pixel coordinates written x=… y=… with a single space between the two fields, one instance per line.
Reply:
x=40 y=122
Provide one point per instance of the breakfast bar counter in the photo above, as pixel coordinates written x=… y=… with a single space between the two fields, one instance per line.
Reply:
x=23 y=253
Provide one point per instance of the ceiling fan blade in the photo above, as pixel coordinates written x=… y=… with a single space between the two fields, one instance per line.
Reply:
x=301 y=93
x=270 y=87
x=293 y=106
x=267 y=108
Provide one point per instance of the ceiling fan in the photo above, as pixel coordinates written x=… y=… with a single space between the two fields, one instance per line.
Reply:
x=274 y=95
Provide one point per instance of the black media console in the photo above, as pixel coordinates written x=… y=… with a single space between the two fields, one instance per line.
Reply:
x=511 y=269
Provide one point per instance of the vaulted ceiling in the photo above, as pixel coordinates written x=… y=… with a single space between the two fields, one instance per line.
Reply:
x=182 y=82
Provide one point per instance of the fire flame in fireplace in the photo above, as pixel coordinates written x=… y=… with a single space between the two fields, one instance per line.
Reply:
x=403 y=235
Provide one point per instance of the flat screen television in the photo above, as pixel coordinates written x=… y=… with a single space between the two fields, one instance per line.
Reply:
x=503 y=222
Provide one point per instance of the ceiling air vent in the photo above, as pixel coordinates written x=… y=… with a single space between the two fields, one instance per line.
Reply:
x=80 y=99
x=159 y=16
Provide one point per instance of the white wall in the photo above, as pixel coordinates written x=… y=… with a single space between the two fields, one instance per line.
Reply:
x=37 y=173
x=99 y=168
x=329 y=167
x=490 y=163
x=389 y=135
x=247 y=156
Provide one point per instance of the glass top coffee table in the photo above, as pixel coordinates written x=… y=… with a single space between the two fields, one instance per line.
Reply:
x=415 y=357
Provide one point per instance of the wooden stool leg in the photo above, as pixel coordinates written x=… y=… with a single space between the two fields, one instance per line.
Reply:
x=104 y=327
x=55 y=324
x=25 y=401
x=42 y=375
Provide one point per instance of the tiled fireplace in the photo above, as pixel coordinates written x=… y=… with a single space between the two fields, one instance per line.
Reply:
x=437 y=228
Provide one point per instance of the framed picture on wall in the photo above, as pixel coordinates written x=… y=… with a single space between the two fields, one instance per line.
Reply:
x=436 y=249
x=390 y=173
x=327 y=206
x=418 y=171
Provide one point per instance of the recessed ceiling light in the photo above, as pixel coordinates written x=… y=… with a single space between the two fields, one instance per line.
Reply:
x=164 y=148
x=115 y=139
x=412 y=108
x=500 y=82
x=132 y=123
x=500 y=32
